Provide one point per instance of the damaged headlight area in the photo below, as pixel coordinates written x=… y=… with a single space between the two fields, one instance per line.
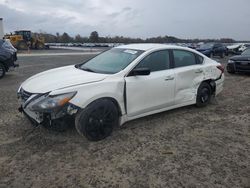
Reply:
x=47 y=109
x=52 y=103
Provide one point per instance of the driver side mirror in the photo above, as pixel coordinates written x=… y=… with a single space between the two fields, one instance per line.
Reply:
x=140 y=72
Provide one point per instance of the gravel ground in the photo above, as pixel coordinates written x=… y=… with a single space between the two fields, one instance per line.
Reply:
x=186 y=147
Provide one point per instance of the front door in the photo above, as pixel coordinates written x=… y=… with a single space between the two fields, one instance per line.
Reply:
x=151 y=92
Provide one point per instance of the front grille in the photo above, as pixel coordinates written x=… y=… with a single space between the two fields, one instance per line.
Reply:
x=24 y=95
x=242 y=65
x=242 y=62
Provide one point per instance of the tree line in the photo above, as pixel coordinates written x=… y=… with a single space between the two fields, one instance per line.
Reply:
x=95 y=38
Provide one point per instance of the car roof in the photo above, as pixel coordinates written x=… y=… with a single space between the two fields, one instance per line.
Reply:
x=149 y=46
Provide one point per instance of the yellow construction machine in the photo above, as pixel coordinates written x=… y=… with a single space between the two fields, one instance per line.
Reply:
x=24 y=39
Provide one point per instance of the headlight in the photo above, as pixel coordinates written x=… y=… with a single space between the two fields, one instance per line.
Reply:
x=52 y=102
x=230 y=61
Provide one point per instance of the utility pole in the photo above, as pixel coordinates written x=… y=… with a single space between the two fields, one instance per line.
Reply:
x=1 y=28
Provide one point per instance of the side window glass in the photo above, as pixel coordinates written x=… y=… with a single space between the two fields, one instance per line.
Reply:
x=156 y=61
x=183 y=58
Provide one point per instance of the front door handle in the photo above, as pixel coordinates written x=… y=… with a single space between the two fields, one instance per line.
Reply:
x=169 y=78
x=199 y=71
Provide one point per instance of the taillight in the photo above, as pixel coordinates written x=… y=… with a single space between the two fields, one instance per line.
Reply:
x=221 y=68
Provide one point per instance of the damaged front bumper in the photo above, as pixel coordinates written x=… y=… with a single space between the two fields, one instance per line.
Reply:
x=48 y=117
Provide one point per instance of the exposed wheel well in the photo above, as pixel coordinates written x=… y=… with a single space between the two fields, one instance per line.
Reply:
x=212 y=84
x=113 y=100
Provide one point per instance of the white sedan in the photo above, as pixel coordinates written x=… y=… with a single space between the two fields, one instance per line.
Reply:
x=118 y=85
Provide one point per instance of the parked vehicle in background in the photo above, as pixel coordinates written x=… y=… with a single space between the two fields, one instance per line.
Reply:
x=213 y=49
x=239 y=63
x=23 y=39
x=234 y=49
x=243 y=47
x=8 y=56
x=121 y=84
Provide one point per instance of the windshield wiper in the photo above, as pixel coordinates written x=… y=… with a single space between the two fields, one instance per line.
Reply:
x=86 y=69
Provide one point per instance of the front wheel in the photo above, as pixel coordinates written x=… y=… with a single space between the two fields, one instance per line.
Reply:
x=2 y=70
x=203 y=95
x=230 y=70
x=97 y=121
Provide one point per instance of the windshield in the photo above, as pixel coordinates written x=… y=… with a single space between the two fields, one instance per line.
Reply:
x=246 y=52
x=111 y=61
x=206 y=46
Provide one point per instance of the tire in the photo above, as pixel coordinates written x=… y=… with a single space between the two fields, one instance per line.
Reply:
x=22 y=45
x=2 y=70
x=97 y=120
x=203 y=95
x=230 y=71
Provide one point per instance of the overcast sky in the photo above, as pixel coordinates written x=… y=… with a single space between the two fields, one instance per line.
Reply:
x=134 y=18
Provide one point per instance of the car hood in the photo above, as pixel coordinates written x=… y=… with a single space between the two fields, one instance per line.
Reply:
x=60 y=78
x=240 y=58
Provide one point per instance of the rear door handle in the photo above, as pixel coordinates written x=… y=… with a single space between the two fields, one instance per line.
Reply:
x=169 y=78
x=199 y=71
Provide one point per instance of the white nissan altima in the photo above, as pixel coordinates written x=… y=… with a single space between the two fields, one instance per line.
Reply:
x=118 y=85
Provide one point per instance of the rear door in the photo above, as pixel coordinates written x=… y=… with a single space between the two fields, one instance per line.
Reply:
x=154 y=91
x=188 y=73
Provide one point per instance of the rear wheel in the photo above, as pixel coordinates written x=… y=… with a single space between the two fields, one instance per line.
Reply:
x=97 y=121
x=2 y=70
x=203 y=95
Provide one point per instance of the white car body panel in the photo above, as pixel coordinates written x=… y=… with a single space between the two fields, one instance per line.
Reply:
x=145 y=95
x=60 y=78
x=148 y=93
x=186 y=83
x=87 y=93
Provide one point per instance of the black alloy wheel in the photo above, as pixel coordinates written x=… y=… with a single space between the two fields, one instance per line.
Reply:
x=97 y=121
x=203 y=95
